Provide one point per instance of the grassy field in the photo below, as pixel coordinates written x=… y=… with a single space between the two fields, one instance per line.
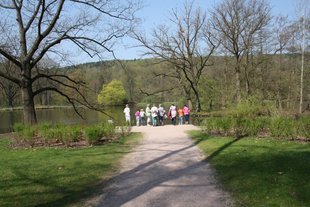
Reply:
x=57 y=176
x=260 y=172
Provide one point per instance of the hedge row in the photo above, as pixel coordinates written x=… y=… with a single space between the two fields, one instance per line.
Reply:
x=49 y=135
x=280 y=127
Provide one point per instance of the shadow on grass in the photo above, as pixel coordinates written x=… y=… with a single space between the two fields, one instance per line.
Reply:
x=264 y=172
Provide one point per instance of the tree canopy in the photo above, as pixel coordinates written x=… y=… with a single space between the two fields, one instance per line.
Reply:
x=112 y=93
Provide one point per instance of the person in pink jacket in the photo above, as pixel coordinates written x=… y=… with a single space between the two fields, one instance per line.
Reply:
x=137 y=114
x=186 y=112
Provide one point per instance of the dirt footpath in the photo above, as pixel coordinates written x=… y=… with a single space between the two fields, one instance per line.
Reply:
x=165 y=170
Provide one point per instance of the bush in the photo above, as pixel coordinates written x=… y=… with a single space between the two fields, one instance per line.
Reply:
x=108 y=130
x=254 y=126
x=18 y=127
x=282 y=127
x=25 y=134
x=303 y=127
x=28 y=135
x=93 y=134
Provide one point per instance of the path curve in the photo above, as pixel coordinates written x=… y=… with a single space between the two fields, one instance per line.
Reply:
x=165 y=170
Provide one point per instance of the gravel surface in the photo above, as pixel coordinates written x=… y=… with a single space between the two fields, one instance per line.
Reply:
x=166 y=169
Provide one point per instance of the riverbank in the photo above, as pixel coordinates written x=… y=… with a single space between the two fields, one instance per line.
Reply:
x=37 y=107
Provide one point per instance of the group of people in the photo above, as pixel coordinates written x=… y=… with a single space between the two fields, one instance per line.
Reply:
x=154 y=116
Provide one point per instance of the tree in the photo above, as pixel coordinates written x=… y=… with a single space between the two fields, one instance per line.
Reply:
x=112 y=94
x=186 y=45
x=238 y=23
x=34 y=29
x=10 y=89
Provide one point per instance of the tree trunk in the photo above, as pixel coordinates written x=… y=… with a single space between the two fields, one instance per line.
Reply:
x=238 y=89
x=10 y=97
x=198 y=104
x=28 y=105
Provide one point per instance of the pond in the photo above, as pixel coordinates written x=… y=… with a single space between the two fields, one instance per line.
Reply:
x=64 y=116
x=59 y=115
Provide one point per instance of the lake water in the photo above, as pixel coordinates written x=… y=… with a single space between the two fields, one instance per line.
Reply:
x=64 y=116
x=60 y=115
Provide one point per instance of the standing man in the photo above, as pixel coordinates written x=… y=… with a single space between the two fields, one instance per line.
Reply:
x=161 y=113
x=127 y=114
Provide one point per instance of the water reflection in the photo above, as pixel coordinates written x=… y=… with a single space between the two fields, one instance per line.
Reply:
x=60 y=115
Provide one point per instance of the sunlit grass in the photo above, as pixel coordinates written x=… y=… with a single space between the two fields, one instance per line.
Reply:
x=260 y=172
x=57 y=176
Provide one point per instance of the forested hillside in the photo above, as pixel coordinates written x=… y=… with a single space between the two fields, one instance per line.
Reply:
x=272 y=79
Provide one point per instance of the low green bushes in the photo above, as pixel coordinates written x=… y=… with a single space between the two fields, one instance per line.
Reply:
x=50 y=135
x=252 y=119
x=280 y=127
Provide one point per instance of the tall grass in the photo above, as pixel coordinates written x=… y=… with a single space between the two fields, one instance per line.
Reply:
x=250 y=118
x=47 y=134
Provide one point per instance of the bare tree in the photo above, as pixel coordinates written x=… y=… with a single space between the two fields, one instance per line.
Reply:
x=238 y=23
x=186 y=44
x=34 y=29
x=10 y=89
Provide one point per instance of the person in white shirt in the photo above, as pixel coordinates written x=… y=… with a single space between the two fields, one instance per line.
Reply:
x=173 y=113
x=154 y=111
x=161 y=113
x=127 y=114
x=148 y=115
x=142 y=117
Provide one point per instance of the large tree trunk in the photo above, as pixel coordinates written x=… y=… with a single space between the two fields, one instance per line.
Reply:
x=28 y=105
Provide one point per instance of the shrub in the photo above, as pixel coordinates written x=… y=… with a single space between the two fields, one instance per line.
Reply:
x=70 y=134
x=18 y=127
x=225 y=124
x=254 y=126
x=303 y=127
x=28 y=134
x=282 y=127
x=239 y=126
x=108 y=130
x=93 y=134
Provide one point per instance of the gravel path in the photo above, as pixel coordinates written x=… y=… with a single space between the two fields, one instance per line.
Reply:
x=165 y=170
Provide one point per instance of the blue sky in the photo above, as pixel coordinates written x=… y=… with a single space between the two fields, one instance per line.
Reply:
x=156 y=12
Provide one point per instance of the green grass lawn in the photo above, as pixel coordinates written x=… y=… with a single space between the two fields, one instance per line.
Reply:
x=57 y=176
x=260 y=172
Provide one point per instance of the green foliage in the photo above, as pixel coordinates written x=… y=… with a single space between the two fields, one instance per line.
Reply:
x=93 y=134
x=112 y=93
x=50 y=135
x=283 y=127
x=18 y=127
x=251 y=108
x=108 y=129
x=303 y=127
x=25 y=134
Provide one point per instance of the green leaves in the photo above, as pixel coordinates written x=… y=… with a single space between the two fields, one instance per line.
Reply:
x=112 y=93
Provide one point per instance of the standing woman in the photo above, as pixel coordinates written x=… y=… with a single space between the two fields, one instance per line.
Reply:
x=173 y=113
x=186 y=112
x=148 y=115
